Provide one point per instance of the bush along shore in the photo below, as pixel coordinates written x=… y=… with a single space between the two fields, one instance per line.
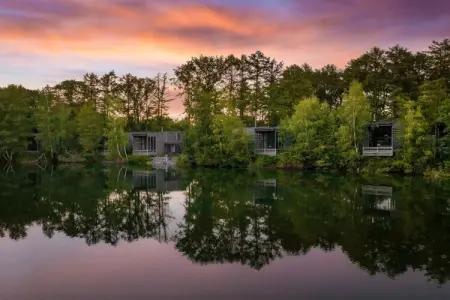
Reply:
x=322 y=114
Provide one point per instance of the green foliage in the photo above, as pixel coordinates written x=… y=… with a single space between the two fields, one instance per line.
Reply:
x=183 y=161
x=51 y=120
x=116 y=138
x=224 y=143
x=312 y=126
x=354 y=114
x=417 y=149
x=90 y=128
x=140 y=160
x=71 y=157
x=377 y=165
x=15 y=124
x=264 y=161
x=230 y=143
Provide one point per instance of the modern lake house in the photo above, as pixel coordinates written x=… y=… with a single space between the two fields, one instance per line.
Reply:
x=266 y=140
x=156 y=143
x=381 y=138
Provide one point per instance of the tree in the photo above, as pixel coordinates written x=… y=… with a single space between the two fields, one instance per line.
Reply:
x=354 y=117
x=15 y=121
x=272 y=76
x=293 y=86
x=91 y=89
x=370 y=69
x=51 y=119
x=433 y=98
x=200 y=76
x=230 y=93
x=90 y=129
x=402 y=78
x=330 y=85
x=109 y=87
x=312 y=128
x=243 y=100
x=230 y=143
x=416 y=147
x=116 y=138
x=438 y=58
x=161 y=98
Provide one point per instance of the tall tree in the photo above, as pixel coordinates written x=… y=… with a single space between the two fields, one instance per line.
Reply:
x=15 y=121
x=149 y=89
x=117 y=139
x=90 y=129
x=438 y=56
x=416 y=148
x=433 y=98
x=354 y=116
x=51 y=119
x=330 y=85
x=199 y=76
x=109 y=87
x=370 y=69
x=91 y=88
x=311 y=125
x=257 y=63
x=243 y=100
x=272 y=76
x=230 y=92
x=161 y=98
x=293 y=86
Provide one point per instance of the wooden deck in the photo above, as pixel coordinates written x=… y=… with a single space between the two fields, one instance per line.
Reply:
x=144 y=152
x=378 y=151
x=266 y=151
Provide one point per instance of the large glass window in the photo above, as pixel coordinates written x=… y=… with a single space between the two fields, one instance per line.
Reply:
x=152 y=142
x=380 y=136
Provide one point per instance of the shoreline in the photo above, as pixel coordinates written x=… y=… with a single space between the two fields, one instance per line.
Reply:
x=373 y=166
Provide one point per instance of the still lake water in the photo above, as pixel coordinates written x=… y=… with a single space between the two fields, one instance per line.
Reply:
x=77 y=233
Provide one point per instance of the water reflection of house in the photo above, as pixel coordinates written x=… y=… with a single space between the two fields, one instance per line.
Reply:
x=156 y=181
x=265 y=191
x=378 y=199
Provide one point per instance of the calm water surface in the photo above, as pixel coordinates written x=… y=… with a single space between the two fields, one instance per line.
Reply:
x=77 y=233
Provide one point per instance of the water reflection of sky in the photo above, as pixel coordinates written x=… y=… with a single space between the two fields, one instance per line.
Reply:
x=67 y=268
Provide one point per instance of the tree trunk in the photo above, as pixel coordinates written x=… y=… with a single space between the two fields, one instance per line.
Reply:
x=354 y=132
x=118 y=149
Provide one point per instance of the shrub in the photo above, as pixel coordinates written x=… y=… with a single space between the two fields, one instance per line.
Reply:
x=262 y=161
x=139 y=160
x=183 y=161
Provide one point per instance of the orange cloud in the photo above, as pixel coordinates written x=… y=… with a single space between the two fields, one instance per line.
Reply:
x=168 y=31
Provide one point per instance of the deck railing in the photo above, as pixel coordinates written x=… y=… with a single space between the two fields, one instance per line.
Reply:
x=144 y=152
x=378 y=151
x=266 y=151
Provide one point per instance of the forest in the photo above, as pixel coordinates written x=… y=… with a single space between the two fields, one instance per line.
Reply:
x=324 y=111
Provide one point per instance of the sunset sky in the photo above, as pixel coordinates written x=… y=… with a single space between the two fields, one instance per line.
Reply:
x=46 y=41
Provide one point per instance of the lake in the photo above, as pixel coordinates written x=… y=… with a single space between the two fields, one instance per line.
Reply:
x=112 y=233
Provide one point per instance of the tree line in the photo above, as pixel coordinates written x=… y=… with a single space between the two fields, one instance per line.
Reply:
x=80 y=116
x=324 y=112
x=223 y=94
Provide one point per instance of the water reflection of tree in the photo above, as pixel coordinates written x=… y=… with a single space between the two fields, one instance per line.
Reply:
x=223 y=224
x=231 y=218
x=81 y=203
